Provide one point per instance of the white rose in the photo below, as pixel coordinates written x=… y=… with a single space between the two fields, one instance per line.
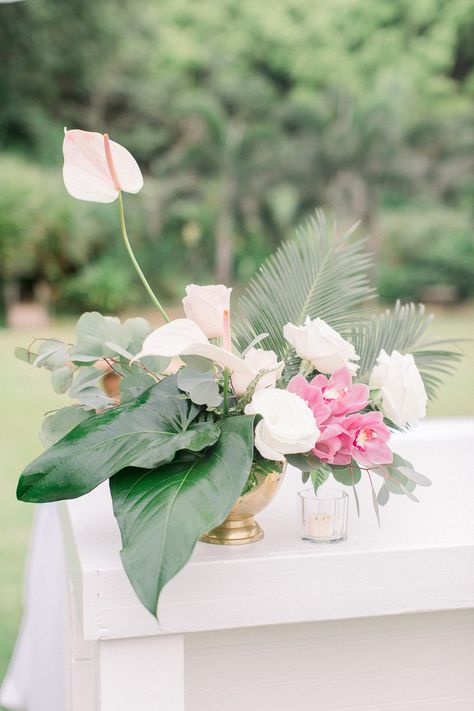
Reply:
x=287 y=425
x=205 y=305
x=321 y=345
x=258 y=360
x=401 y=386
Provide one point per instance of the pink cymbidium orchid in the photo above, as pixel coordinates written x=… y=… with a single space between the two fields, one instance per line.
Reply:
x=340 y=394
x=97 y=169
x=344 y=435
x=365 y=439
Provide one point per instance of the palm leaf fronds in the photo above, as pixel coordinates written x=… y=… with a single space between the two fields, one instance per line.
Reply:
x=403 y=329
x=318 y=274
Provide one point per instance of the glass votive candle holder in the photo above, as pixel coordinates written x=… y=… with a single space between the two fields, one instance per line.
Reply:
x=323 y=517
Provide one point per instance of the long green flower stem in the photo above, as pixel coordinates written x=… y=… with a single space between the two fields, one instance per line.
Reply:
x=226 y=392
x=135 y=263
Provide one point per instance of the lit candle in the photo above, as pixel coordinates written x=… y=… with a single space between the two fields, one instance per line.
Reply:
x=320 y=525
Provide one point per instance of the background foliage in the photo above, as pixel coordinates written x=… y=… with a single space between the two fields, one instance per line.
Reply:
x=243 y=119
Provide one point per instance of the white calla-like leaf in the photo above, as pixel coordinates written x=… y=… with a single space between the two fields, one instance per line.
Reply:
x=183 y=337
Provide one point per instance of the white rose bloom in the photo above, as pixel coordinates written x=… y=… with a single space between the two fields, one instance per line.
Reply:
x=258 y=360
x=322 y=346
x=401 y=386
x=287 y=425
x=205 y=305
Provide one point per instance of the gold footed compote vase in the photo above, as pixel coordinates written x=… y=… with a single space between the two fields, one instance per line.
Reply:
x=240 y=526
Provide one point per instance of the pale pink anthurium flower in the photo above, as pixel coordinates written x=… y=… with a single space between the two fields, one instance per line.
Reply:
x=183 y=337
x=205 y=305
x=97 y=169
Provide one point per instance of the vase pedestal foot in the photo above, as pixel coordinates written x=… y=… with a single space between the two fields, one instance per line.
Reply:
x=234 y=532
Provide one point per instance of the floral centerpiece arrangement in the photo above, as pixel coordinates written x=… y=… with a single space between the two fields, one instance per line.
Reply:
x=184 y=419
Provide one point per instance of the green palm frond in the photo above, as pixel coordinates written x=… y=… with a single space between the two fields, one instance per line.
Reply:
x=403 y=329
x=318 y=274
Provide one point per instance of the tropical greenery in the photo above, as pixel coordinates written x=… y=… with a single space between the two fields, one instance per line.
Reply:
x=243 y=119
x=178 y=448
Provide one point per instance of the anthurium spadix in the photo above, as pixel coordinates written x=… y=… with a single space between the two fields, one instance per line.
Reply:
x=183 y=337
x=98 y=169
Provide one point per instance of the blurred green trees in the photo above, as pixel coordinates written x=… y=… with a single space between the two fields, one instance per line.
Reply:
x=244 y=116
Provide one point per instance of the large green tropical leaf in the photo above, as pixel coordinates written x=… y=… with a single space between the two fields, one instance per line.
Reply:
x=145 y=432
x=403 y=329
x=318 y=274
x=163 y=512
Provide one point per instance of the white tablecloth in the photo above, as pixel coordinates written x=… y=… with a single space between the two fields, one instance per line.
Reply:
x=38 y=672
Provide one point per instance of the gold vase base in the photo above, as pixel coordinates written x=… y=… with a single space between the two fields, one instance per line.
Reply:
x=234 y=533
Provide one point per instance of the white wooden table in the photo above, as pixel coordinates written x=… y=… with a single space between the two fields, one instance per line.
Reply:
x=384 y=620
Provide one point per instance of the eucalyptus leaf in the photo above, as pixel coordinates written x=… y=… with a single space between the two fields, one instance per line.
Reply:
x=375 y=501
x=25 y=355
x=94 y=330
x=80 y=358
x=94 y=398
x=157 y=364
x=86 y=390
x=356 y=499
x=395 y=480
x=135 y=330
x=52 y=354
x=57 y=425
x=100 y=336
x=146 y=432
x=61 y=379
x=398 y=484
x=419 y=479
x=84 y=378
x=162 y=512
x=121 y=351
x=304 y=462
x=406 y=468
x=200 y=386
x=408 y=493
x=383 y=495
x=349 y=474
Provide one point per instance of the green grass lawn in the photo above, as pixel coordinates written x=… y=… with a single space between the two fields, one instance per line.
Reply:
x=26 y=395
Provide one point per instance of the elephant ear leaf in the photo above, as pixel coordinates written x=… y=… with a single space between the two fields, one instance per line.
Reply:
x=146 y=432
x=163 y=512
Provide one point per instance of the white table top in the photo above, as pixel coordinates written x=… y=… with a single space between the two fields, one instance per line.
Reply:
x=421 y=559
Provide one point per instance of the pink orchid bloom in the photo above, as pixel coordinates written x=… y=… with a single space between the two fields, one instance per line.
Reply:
x=98 y=169
x=340 y=394
x=329 y=441
x=312 y=396
x=365 y=439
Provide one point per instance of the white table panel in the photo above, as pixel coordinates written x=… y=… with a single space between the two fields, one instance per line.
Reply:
x=408 y=662
x=420 y=559
x=381 y=622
